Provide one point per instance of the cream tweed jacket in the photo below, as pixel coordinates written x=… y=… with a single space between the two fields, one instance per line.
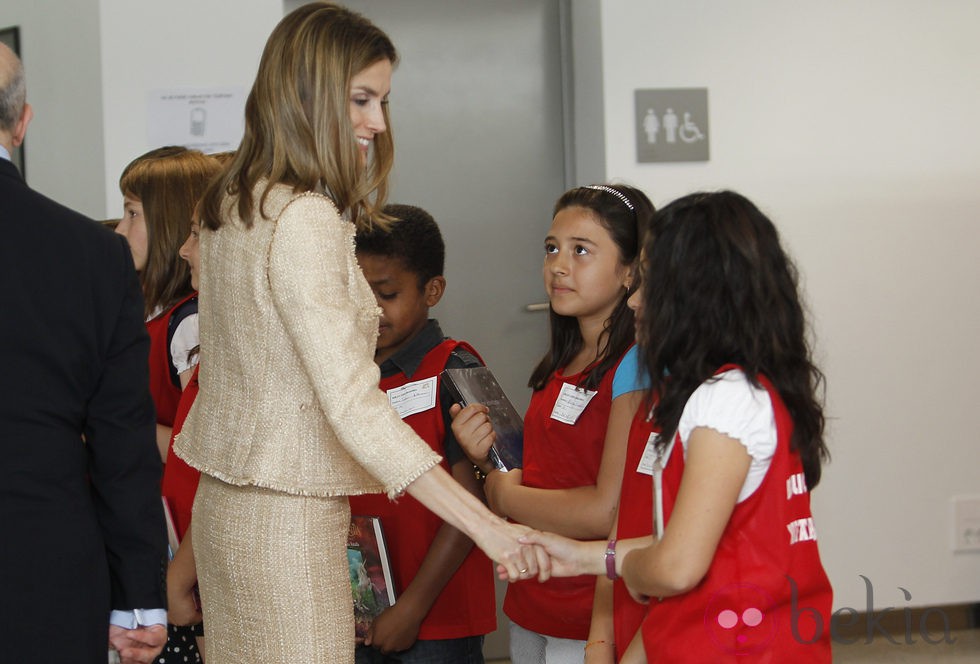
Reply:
x=289 y=396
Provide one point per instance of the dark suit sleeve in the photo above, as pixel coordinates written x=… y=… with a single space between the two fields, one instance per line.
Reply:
x=124 y=464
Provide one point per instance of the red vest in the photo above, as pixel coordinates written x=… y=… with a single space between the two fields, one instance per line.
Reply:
x=765 y=597
x=634 y=520
x=560 y=456
x=180 y=479
x=466 y=606
x=165 y=393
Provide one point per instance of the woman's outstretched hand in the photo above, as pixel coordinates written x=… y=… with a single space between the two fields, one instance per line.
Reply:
x=568 y=557
x=501 y=541
x=516 y=560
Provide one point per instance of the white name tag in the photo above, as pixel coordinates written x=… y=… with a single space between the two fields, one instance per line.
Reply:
x=571 y=402
x=414 y=397
x=649 y=457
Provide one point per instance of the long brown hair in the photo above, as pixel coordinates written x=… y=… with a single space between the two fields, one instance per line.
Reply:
x=168 y=182
x=297 y=118
x=719 y=289
x=626 y=225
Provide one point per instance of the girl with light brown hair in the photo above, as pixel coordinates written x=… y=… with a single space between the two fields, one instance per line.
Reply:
x=160 y=190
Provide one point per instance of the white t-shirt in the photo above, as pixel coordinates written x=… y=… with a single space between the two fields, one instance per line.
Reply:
x=732 y=406
x=186 y=338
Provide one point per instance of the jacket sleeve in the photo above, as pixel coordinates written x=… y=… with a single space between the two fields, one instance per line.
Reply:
x=309 y=280
x=124 y=465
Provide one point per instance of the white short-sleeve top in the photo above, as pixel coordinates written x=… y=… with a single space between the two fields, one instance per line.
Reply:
x=186 y=338
x=731 y=405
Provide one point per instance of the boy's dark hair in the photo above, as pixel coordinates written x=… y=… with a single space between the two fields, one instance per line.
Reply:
x=413 y=238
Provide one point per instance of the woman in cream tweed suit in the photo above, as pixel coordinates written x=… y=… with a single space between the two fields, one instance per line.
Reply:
x=289 y=420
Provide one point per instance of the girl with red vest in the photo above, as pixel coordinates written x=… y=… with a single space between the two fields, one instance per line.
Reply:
x=179 y=487
x=570 y=478
x=732 y=573
x=161 y=189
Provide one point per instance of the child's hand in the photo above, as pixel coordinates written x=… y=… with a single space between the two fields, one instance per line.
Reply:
x=395 y=629
x=472 y=428
x=568 y=557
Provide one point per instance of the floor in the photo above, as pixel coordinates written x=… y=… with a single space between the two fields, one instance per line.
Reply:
x=964 y=649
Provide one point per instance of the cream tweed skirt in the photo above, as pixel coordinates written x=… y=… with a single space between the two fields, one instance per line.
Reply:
x=272 y=570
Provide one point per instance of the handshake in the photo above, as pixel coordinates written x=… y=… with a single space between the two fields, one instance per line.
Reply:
x=519 y=551
x=511 y=546
x=524 y=553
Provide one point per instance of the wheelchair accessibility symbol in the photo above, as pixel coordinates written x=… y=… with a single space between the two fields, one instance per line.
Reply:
x=689 y=131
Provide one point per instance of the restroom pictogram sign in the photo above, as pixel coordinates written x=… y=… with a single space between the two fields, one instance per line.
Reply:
x=672 y=125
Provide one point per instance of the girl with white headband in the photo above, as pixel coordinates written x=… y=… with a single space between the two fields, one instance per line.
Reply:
x=571 y=475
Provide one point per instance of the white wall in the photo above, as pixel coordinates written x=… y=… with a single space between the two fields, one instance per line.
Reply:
x=90 y=64
x=151 y=45
x=854 y=124
x=60 y=50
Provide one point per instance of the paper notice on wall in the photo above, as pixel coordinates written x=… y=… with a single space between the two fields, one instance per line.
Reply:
x=206 y=119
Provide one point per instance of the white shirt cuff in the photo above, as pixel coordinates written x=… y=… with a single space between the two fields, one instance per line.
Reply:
x=138 y=618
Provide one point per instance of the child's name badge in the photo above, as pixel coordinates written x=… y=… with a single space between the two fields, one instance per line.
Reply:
x=571 y=402
x=414 y=397
x=649 y=457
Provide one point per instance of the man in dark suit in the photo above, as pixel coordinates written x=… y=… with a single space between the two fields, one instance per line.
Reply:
x=81 y=523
